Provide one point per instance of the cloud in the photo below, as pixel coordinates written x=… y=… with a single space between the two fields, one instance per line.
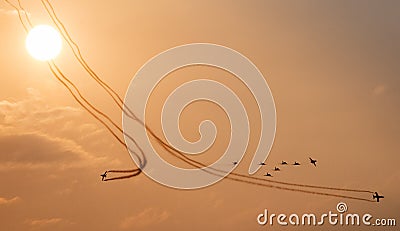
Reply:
x=36 y=150
x=379 y=90
x=35 y=135
x=147 y=217
x=12 y=12
x=8 y=12
x=43 y=222
x=33 y=112
x=5 y=201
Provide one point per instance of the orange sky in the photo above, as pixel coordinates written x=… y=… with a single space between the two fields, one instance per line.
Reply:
x=332 y=67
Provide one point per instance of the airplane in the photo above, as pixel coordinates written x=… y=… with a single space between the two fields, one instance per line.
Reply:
x=103 y=176
x=283 y=163
x=295 y=163
x=277 y=169
x=377 y=196
x=314 y=162
x=268 y=174
x=261 y=163
x=234 y=162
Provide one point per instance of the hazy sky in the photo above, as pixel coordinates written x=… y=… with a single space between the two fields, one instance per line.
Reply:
x=332 y=66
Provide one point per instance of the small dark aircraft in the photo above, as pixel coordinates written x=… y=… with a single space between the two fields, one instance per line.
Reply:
x=234 y=162
x=283 y=163
x=103 y=176
x=314 y=162
x=277 y=169
x=261 y=163
x=295 y=163
x=377 y=196
x=268 y=174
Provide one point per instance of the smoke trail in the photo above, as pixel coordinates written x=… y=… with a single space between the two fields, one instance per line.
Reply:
x=26 y=15
x=77 y=53
x=142 y=161
x=122 y=171
x=82 y=105
x=306 y=185
x=72 y=84
x=82 y=61
x=123 y=177
x=303 y=191
x=134 y=171
x=19 y=14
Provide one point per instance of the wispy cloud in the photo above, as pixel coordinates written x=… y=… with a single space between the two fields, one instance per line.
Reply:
x=8 y=12
x=147 y=217
x=34 y=114
x=36 y=150
x=12 y=12
x=43 y=222
x=29 y=139
x=5 y=201
x=33 y=110
x=379 y=90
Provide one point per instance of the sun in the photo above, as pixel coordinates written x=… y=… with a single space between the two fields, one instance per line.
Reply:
x=43 y=42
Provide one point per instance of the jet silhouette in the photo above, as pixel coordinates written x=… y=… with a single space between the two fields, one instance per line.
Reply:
x=261 y=163
x=314 y=162
x=377 y=196
x=103 y=176
x=268 y=174
x=283 y=163
x=277 y=169
x=295 y=163
x=234 y=162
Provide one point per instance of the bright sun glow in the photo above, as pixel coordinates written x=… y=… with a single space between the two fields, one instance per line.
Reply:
x=43 y=42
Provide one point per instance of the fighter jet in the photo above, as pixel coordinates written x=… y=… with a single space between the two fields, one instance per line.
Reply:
x=277 y=169
x=261 y=163
x=283 y=163
x=268 y=174
x=234 y=163
x=314 y=162
x=377 y=196
x=103 y=176
x=295 y=163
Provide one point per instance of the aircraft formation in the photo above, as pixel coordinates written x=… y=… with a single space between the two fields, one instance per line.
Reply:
x=276 y=169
